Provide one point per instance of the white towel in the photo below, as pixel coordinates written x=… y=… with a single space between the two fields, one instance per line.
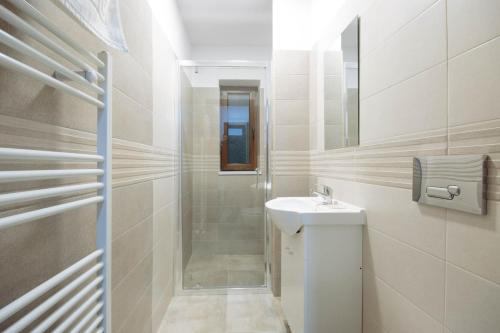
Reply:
x=101 y=17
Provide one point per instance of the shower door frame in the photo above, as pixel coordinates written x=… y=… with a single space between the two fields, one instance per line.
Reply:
x=178 y=259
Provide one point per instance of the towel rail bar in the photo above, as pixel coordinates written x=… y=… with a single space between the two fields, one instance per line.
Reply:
x=28 y=154
x=19 y=23
x=86 y=319
x=18 y=66
x=94 y=325
x=78 y=312
x=75 y=299
x=41 y=289
x=56 y=315
x=27 y=50
x=10 y=221
x=23 y=196
x=51 y=301
x=16 y=176
x=41 y=19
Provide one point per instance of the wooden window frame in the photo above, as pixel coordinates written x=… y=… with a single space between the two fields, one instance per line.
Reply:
x=253 y=126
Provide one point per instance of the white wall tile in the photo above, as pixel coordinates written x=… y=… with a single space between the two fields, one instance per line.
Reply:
x=416 y=105
x=417 y=47
x=292 y=87
x=384 y=18
x=472 y=303
x=291 y=137
x=474 y=83
x=391 y=211
x=291 y=112
x=471 y=23
x=291 y=62
x=292 y=186
x=416 y=275
x=389 y=311
x=473 y=241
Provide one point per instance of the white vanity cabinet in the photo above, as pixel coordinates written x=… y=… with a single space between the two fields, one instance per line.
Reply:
x=321 y=278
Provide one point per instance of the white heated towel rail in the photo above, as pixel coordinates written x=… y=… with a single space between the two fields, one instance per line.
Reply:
x=78 y=298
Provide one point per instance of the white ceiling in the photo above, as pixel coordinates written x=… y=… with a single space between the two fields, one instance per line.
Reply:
x=228 y=22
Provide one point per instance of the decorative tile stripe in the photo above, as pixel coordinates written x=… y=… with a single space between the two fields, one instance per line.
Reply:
x=198 y=162
x=290 y=163
x=480 y=138
x=385 y=162
x=132 y=162
x=135 y=162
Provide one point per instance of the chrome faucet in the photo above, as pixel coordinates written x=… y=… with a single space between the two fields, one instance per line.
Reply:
x=325 y=194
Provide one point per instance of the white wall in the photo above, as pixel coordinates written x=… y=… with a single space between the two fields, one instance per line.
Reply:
x=292 y=25
x=167 y=14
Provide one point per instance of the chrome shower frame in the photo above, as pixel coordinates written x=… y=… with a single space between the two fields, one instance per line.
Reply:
x=178 y=269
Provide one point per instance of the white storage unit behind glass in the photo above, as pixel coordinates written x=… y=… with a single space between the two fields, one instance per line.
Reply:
x=78 y=298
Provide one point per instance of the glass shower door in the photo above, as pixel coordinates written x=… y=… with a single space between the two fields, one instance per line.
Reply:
x=223 y=195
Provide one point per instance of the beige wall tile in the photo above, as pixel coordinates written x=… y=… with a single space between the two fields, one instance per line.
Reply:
x=164 y=301
x=137 y=25
x=291 y=137
x=131 y=121
x=313 y=137
x=384 y=18
x=164 y=219
x=471 y=23
x=140 y=319
x=126 y=294
x=473 y=242
x=131 y=205
x=130 y=248
x=292 y=87
x=131 y=79
x=391 y=211
x=165 y=191
x=26 y=98
x=472 y=303
x=416 y=105
x=63 y=239
x=401 y=56
x=163 y=259
x=416 y=275
x=291 y=62
x=386 y=310
x=474 y=82
x=291 y=186
x=294 y=112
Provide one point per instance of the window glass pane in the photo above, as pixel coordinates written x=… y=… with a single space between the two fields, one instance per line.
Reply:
x=238 y=129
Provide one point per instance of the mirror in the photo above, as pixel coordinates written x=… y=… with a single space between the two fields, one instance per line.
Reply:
x=341 y=89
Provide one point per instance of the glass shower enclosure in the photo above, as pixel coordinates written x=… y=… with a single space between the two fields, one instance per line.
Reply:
x=224 y=168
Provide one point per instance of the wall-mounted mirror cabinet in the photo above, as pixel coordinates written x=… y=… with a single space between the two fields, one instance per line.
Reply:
x=341 y=89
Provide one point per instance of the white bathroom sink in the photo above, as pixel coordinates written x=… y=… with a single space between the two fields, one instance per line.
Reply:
x=289 y=214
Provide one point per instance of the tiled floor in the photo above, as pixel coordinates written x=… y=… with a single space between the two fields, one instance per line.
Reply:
x=221 y=271
x=254 y=313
